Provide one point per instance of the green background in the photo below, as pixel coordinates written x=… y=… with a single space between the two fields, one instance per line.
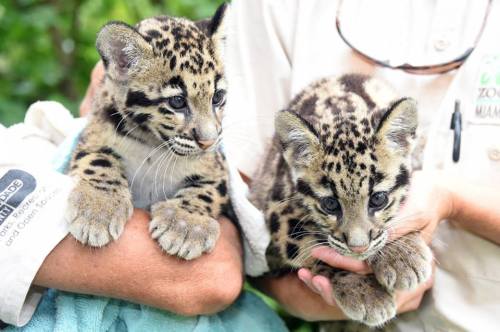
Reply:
x=47 y=47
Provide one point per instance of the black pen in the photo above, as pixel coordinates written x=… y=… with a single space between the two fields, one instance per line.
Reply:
x=456 y=126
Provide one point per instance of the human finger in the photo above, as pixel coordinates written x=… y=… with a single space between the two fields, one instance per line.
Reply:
x=306 y=276
x=410 y=300
x=325 y=288
x=334 y=259
x=95 y=78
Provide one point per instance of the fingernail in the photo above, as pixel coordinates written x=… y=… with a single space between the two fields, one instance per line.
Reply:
x=317 y=287
x=326 y=297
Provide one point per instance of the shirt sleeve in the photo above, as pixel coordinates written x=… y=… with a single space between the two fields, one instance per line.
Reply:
x=31 y=224
x=33 y=199
x=258 y=69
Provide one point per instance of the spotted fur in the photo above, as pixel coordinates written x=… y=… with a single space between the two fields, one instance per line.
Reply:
x=152 y=138
x=341 y=146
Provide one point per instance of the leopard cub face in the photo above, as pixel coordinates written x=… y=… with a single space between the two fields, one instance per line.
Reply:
x=165 y=81
x=349 y=162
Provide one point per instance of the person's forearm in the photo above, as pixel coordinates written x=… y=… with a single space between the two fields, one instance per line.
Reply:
x=134 y=268
x=476 y=209
x=297 y=299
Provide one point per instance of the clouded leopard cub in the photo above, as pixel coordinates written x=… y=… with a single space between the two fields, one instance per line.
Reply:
x=152 y=138
x=336 y=174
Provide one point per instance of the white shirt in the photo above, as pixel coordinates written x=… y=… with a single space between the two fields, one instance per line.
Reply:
x=277 y=47
x=32 y=202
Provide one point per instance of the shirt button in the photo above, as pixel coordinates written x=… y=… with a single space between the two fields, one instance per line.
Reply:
x=441 y=44
x=494 y=154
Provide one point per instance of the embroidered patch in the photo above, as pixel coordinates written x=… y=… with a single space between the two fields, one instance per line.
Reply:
x=15 y=186
x=487 y=99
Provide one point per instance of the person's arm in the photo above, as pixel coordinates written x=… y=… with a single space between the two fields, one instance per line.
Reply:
x=134 y=268
x=311 y=297
x=437 y=196
x=475 y=208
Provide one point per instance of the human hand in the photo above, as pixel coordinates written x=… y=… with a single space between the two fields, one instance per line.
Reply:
x=297 y=299
x=95 y=78
x=134 y=268
x=298 y=295
x=405 y=300
x=429 y=201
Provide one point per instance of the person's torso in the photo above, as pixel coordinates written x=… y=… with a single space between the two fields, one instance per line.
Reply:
x=465 y=295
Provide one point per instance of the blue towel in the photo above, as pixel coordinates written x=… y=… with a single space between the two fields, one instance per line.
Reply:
x=67 y=312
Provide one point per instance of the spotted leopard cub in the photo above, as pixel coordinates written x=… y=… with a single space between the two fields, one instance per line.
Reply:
x=152 y=138
x=336 y=174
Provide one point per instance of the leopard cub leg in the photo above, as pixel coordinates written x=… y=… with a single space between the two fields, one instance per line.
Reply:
x=186 y=225
x=403 y=264
x=351 y=326
x=185 y=233
x=361 y=297
x=100 y=203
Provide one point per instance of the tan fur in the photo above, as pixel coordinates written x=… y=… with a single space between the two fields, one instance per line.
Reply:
x=152 y=138
x=344 y=142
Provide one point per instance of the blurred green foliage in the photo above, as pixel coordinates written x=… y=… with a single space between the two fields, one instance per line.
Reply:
x=47 y=47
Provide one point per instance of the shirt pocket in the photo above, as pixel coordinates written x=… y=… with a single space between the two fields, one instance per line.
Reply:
x=480 y=153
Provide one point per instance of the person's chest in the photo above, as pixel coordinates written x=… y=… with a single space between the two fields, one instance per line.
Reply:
x=319 y=51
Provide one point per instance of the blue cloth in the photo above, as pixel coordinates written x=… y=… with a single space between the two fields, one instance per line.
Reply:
x=62 y=157
x=67 y=312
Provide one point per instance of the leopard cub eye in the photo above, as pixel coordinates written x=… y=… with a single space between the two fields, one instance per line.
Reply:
x=218 y=97
x=378 y=200
x=329 y=204
x=177 y=102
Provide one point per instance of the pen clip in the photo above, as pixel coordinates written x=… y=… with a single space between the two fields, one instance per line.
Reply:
x=456 y=126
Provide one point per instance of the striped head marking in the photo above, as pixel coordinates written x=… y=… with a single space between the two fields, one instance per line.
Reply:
x=351 y=185
x=165 y=78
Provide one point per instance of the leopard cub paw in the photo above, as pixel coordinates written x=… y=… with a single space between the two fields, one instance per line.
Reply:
x=96 y=217
x=362 y=299
x=403 y=264
x=178 y=232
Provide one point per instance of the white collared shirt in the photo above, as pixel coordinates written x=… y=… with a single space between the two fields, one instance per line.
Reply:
x=277 y=47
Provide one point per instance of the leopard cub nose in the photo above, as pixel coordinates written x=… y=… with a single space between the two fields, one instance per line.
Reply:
x=205 y=144
x=202 y=143
x=358 y=249
x=356 y=242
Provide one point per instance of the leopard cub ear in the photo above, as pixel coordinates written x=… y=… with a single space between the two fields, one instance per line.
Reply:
x=218 y=26
x=218 y=21
x=397 y=127
x=122 y=48
x=298 y=137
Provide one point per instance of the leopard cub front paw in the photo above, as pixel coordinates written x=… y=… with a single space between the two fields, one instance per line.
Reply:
x=96 y=217
x=404 y=264
x=362 y=299
x=178 y=232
